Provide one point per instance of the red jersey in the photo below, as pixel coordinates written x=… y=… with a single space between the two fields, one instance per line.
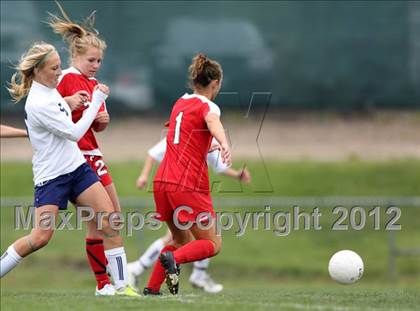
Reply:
x=188 y=142
x=71 y=82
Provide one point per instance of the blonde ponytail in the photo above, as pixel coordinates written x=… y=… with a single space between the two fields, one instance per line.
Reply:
x=21 y=80
x=78 y=37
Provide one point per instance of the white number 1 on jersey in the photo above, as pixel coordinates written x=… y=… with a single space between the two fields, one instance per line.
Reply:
x=178 y=120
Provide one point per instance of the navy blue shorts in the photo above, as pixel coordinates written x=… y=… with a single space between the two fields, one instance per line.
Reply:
x=60 y=190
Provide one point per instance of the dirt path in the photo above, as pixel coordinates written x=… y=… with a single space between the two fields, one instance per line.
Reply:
x=309 y=137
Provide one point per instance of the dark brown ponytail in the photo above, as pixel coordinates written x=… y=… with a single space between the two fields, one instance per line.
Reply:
x=203 y=70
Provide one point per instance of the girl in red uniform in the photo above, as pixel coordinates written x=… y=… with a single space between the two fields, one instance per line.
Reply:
x=76 y=86
x=181 y=184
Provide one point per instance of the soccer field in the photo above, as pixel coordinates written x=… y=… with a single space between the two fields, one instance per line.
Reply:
x=307 y=114
x=259 y=270
x=261 y=297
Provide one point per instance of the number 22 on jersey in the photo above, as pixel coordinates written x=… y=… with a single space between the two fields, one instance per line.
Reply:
x=178 y=120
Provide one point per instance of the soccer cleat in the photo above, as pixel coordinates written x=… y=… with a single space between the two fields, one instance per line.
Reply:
x=149 y=292
x=206 y=283
x=127 y=291
x=107 y=290
x=171 y=270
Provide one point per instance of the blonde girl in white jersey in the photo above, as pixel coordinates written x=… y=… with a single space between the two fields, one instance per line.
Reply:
x=60 y=170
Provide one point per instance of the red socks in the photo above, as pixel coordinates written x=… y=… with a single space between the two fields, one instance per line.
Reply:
x=158 y=274
x=193 y=251
x=96 y=256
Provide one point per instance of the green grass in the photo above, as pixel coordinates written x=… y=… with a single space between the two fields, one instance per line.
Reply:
x=274 y=297
x=302 y=178
x=259 y=269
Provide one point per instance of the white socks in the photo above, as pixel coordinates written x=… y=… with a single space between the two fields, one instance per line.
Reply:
x=117 y=263
x=9 y=260
x=200 y=268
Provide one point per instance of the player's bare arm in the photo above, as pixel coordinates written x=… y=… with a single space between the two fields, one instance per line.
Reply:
x=243 y=174
x=216 y=129
x=9 y=132
x=144 y=175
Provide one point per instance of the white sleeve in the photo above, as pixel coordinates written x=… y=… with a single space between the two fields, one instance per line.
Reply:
x=213 y=108
x=214 y=159
x=55 y=117
x=157 y=152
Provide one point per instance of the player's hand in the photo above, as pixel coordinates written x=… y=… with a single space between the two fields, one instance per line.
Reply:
x=77 y=100
x=226 y=155
x=102 y=117
x=103 y=88
x=141 y=182
x=245 y=176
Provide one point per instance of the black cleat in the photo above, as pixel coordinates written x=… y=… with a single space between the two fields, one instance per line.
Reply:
x=149 y=292
x=171 y=270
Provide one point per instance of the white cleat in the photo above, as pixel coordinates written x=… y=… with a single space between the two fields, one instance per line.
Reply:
x=107 y=290
x=206 y=283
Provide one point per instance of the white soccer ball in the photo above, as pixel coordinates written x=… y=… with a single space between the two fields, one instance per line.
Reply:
x=345 y=267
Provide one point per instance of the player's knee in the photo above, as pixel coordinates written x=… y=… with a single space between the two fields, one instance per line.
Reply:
x=107 y=228
x=43 y=241
x=167 y=238
x=217 y=244
x=187 y=239
x=105 y=224
x=92 y=230
x=178 y=242
x=39 y=240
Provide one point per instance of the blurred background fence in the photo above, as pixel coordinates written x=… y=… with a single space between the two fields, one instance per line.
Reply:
x=344 y=55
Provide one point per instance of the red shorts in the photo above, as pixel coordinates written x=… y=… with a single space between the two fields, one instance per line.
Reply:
x=99 y=167
x=189 y=206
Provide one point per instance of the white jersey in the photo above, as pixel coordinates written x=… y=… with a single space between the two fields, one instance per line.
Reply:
x=49 y=124
x=214 y=158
